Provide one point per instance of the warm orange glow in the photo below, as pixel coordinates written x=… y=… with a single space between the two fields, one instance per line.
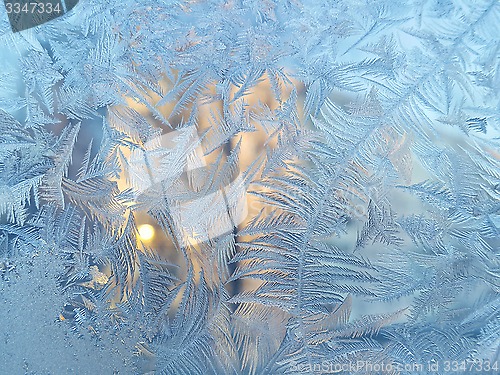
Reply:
x=146 y=232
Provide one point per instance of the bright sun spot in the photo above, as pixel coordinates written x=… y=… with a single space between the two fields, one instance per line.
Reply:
x=146 y=232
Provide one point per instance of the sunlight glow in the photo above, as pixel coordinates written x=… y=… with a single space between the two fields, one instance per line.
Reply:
x=146 y=232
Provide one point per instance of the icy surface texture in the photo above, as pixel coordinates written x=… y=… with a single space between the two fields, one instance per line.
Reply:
x=251 y=187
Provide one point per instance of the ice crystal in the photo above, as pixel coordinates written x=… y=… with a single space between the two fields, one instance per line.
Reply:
x=322 y=180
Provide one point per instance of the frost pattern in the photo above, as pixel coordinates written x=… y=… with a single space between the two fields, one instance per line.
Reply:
x=362 y=135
